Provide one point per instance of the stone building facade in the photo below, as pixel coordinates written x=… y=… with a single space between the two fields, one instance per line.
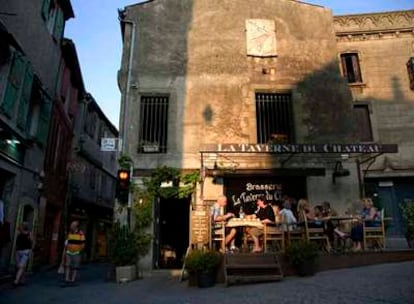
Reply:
x=51 y=168
x=92 y=177
x=215 y=86
x=31 y=35
x=383 y=46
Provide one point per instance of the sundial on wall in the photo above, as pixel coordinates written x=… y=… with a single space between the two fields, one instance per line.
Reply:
x=261 y=37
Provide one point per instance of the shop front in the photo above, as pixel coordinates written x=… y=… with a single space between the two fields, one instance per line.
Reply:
x=280 y=172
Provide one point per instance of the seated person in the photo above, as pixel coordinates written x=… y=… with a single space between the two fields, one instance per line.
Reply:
x=276 y=210
x=313 y=217
x=370 y=215
x=331 y=229
x=305 y=209
x=218 y=217
x=288 y=218
x=266 y=215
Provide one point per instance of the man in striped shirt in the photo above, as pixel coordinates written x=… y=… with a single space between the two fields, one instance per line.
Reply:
x=74 y=245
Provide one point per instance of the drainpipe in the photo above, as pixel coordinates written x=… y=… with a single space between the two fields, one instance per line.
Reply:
x=126 y=106
x=128 y=85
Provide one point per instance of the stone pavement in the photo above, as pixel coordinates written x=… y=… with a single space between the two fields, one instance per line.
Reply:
x=387 y=283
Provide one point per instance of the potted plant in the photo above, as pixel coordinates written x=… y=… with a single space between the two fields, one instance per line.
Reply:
x=303 y=255
x=123 y=253
x=408 y=214
x=203 y=265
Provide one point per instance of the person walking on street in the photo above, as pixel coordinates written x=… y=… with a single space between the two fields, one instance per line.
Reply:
x=72 y=253
x=23 y=252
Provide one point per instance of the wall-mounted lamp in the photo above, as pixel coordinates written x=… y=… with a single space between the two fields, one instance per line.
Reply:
x=339 y=171
x=214 y=173
x=215 y=170
x=12 y=141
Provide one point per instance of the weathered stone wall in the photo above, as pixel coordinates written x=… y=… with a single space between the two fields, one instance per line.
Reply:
x=384 y=43
x=195 y=52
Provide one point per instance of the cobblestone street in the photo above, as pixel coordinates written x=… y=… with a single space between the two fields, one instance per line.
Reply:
x=387 y=283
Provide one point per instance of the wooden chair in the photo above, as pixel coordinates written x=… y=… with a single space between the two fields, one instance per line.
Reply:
x=272 y=233
x=376 y=234
x=292 y=231
x=316 y=234
x=218 y=235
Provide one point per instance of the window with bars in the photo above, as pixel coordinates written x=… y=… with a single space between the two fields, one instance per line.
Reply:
x=274 y=117
x=153 y=124
x=351 y=67
x=363 y=121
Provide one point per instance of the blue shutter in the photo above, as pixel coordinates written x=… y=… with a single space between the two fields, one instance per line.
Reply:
x=45 y=9
x=59 y=24
x=14 y=83
x=25 y=99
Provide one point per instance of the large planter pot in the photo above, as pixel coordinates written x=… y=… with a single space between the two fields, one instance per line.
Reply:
x=192 y=279
x=125 y=274
x=206 y=279
x=306 y=269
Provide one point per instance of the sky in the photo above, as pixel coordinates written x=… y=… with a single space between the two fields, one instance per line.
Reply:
x=96 y=32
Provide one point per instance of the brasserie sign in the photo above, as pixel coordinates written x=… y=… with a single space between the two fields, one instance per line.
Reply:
x=300 y=148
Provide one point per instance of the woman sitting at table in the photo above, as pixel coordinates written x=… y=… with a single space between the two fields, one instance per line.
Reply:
x=370 y=215
x=305 y=209
x=266 y=215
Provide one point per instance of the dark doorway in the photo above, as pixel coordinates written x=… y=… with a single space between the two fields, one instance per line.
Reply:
x=174 y=216
x=391 y=194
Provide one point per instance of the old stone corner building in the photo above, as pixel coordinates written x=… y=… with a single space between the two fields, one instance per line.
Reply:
x=273 y=97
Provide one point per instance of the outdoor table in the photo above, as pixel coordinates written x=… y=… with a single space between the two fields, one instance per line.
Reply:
x=238 y=222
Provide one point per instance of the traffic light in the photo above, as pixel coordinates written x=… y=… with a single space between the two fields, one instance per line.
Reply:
x=123 y=181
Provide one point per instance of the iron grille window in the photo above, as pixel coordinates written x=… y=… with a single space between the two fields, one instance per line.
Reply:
x=274 y=117
x=351 y=67
x=153 y=124
x=363 y=121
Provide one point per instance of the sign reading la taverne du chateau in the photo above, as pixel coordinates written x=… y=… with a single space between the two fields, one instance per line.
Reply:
x=300 y=148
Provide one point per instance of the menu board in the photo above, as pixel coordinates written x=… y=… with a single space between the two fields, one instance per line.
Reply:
x=200 y=222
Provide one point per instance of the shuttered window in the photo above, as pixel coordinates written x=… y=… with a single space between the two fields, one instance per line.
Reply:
x=351 y=67
x=59 y=25
x=274 y=117
x=410 y=70
x=153 y=124
x=46 y=9
x=14 y=84
x=18 y=90
x=363 y=121
x=25 y=100
x=54 y=18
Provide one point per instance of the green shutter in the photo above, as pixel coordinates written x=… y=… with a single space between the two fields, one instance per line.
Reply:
x=59 y=24
x=45 y=9
x=25 y=99
x=44 y=119
x=14 y=83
